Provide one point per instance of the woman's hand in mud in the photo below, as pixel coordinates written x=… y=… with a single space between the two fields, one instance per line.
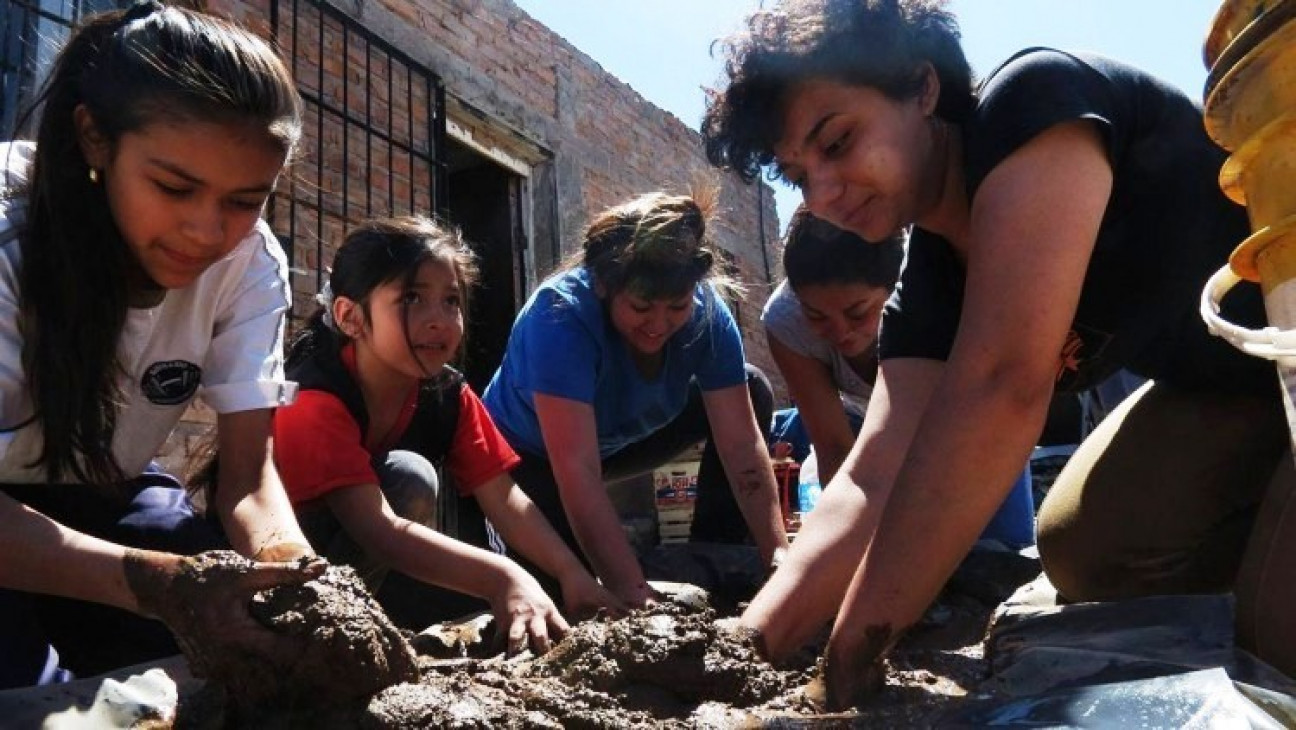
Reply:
x=204 y=599
x=583 y=596
x=852 y=669
x=526 y=615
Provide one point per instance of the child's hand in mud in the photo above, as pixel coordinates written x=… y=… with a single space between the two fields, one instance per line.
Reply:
x=204 y=600
x=524 y=615
x=583 y=596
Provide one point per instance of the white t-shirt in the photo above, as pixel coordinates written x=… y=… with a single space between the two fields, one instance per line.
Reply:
x=221 y=336
x=785 y=320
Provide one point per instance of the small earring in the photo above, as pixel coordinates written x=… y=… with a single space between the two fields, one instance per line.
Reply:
x=94 y=176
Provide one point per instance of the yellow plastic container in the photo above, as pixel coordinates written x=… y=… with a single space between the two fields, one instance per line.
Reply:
x=1276 y=262
x=1251 y=112
x=1259 y=88
x=1231 y=18
x=1245 y=259
x=1261 y=174
x=1230 y=21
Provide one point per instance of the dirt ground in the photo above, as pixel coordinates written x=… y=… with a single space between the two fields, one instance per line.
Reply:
x=671 y=666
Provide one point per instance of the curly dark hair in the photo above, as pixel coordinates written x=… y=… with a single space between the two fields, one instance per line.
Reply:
x=883 y=44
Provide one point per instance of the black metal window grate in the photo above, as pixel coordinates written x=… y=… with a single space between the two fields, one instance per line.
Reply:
x=31 y=34
x=373 y=140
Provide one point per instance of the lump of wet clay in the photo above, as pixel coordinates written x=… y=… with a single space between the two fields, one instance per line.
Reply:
x=673 y=647
x=335 y=647
x=455 y=703
x=491 y=699
x=352 y=649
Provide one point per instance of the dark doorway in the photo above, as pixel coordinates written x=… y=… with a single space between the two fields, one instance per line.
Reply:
x=485 y=201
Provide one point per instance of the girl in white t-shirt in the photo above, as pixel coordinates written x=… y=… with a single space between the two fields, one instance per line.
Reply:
x=134 y=269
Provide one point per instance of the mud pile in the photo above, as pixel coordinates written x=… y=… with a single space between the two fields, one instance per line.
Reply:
x=673 y=665
x=651 y=669
x=336 y=648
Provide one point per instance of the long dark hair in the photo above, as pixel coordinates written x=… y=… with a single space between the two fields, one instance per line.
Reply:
x=128 y=70
x=883 y=44
x=376 y=252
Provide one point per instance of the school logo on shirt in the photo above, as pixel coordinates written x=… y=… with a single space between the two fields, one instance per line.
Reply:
x=170 y=382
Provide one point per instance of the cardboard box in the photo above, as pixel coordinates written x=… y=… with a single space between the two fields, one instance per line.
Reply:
x=675 y=485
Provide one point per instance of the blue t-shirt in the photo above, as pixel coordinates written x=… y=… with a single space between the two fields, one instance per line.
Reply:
x=563 y=344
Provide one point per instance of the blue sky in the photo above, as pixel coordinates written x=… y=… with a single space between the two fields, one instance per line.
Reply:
x=662 y=47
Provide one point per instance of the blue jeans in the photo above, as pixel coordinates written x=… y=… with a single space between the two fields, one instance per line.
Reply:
x=39 y=632
x=410 y=484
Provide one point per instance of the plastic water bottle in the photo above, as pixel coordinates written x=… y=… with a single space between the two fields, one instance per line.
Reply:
x=808 y=487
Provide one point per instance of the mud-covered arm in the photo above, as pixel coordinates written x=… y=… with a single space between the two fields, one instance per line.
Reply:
x=571 y=441
x=43 y=556
x=250 y=498
x=810 y=385
x=806 y=592
x=742 y=450
x=1032 y=229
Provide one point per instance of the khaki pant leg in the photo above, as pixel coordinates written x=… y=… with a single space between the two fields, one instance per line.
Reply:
x=1162 y=496
x=1266 y=586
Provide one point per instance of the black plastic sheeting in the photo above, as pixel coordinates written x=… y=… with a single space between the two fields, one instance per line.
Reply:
x=1157 y=662
x=1205 y=699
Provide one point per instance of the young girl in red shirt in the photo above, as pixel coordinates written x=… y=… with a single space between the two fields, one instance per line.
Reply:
x=379 y=409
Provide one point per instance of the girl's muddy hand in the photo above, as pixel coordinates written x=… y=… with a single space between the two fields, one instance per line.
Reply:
x=204 y=601
x=526 y=615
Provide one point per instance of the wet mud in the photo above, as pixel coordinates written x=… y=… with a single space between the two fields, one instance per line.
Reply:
x=674 y=665
x=333 y=647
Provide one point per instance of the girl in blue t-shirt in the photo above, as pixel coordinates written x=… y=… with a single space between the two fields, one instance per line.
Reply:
x=617 y=365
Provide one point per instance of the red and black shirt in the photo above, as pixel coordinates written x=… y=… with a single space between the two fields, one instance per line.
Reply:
x=320 y=442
